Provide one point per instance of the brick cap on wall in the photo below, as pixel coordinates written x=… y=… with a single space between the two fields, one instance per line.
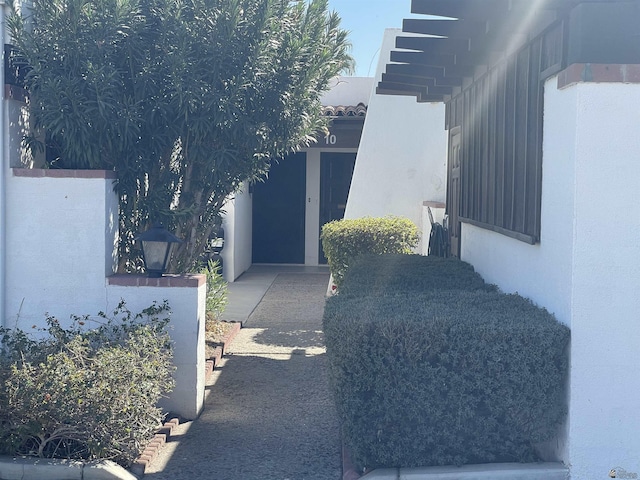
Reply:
x=193 y=280
x=62 y=173
x=598 y=73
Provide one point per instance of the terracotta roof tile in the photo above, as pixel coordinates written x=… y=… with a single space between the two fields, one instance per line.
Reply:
x=359 y=110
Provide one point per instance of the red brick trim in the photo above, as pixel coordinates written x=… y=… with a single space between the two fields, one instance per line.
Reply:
x=211 y=364
x=193 y=280
x=598 y=73
x=218 y=352
x=63 y=173
x=153 y=447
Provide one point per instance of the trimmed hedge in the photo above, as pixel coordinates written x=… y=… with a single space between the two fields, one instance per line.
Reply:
x=383 y=274
x=445 y=376
x=344 y=240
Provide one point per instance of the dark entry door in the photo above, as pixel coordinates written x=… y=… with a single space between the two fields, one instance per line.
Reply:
x=279 y=212
x=335 y=181
x=453 y=191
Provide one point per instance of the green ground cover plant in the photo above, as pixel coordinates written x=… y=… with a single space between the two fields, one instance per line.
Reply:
x=345 y=240
x=443 y=375
x=85 y=393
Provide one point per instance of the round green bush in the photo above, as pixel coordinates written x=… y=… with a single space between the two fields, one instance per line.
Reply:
x=345 y=240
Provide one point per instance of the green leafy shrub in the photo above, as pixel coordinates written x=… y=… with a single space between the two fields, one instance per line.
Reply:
x=217 y=290
x=85 y=393
x=395 y=273
x=445 y=376
x=344 y=240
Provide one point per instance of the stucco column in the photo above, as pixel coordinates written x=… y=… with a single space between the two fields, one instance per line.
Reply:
x=186 y=296
x=605 y=349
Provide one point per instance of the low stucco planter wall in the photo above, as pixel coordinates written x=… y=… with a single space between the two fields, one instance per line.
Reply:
x=26 y=468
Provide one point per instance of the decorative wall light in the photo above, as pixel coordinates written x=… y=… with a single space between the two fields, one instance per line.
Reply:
x=157 y=243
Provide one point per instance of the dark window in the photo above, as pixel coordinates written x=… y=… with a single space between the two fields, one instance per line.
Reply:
x=500 y=119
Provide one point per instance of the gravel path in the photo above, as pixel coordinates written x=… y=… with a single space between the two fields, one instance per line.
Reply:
x=269 y=415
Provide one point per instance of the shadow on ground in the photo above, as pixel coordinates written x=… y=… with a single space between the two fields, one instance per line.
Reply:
x=269 y=414
x=258 y=426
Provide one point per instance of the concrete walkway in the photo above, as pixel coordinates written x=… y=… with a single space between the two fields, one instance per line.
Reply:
x=268 y=414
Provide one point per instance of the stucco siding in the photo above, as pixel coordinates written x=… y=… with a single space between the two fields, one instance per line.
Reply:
x=585 y=269
x=58 y=247
x=401 y=160
x=606 y=305
x=237 y=223
x=541 y=272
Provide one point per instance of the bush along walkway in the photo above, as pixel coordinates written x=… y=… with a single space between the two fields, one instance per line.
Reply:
x=269 y=413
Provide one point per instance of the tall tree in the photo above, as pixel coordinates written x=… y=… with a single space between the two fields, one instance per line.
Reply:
x=185 y=99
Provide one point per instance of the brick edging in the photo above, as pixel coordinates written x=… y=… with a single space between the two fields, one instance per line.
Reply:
x=162 y=436
x=218 y=352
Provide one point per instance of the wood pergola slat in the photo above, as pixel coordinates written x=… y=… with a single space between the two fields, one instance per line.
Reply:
x=434 y=44
x=467 y=9
x=425 y=71
x=408 y=80
x=445 y=28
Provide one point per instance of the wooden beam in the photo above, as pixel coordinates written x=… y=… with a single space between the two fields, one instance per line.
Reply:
x=428 y=98
x=434 y=60
x=408 y=80
x=467 y=9
x=420 y=83
x=422 y=58
x=439 y=90
x=445 y=28
x=425 y=72
x=432 y=44
x=385 y=91
x=449 y=81
x=401 y=87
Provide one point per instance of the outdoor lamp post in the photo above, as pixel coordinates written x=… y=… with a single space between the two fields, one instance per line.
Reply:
x=156 y=249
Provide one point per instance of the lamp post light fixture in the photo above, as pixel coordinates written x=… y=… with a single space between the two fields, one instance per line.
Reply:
x=157 y=243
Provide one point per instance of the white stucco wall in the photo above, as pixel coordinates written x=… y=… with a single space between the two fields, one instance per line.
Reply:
x=61 y=240
x=401 y=160
x=585 y=268
x=348 y=91
x=605 y=350
x=187 y=331
x=237 y=223
x=60 y=245
x=541 y=272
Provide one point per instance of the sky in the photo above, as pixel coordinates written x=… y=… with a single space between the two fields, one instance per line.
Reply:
x=366 y=20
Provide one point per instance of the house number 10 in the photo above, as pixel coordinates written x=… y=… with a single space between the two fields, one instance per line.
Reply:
x=330 y=139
